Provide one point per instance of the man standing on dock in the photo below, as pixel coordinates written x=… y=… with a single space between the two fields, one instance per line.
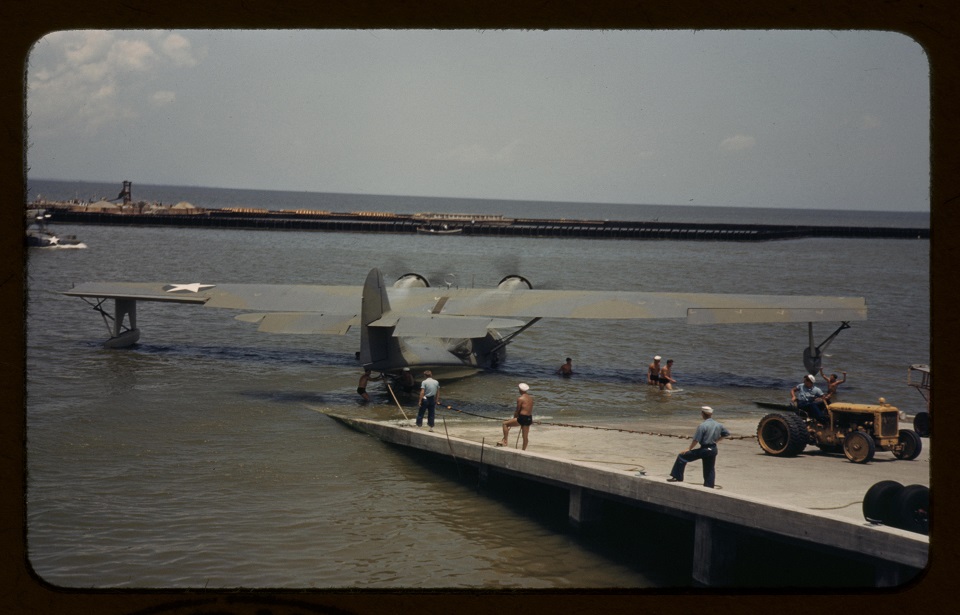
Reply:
x=522 y=416
x=708 y=433
x=429 y=396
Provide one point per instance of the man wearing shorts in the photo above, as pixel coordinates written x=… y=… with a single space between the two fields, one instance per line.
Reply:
x=653 y=372
x=522 y=416
x=362 y=385
x=666 y=376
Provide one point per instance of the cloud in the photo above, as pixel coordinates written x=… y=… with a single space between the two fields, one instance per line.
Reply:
x=737 y=143
x=179 y=50
x=78 y=81
x=163 y=97
x=869 y=121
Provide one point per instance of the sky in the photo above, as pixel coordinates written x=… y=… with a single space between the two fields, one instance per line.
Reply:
x=792 y=119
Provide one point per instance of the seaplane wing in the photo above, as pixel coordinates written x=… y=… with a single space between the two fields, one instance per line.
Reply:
x=273 y=297
x=411 y=323
x=292 y=308
x=696 y=308
x=465 y=312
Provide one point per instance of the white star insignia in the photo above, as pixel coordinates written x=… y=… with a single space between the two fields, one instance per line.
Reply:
x=193 y=288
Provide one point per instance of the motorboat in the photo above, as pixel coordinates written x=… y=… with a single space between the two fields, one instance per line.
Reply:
x=39 y=236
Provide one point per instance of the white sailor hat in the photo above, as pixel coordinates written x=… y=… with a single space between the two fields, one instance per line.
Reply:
x=523 y=386
x=810 y=377
x=706 y=409
x=656 y=358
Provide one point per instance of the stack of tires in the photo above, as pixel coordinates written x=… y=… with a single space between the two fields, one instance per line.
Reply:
x=890 y=503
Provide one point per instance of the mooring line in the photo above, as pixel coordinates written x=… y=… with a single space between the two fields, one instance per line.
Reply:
x=449 y=444
x=621 y=429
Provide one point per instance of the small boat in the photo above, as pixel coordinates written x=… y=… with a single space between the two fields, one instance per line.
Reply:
x=441 y=230
x=39 y=236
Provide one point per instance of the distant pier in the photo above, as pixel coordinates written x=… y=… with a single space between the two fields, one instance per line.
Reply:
x=461 y=224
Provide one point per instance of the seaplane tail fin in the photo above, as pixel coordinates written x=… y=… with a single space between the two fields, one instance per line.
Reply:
x=374 y=341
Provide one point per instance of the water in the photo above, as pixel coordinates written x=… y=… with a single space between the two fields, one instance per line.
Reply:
x=200 y=457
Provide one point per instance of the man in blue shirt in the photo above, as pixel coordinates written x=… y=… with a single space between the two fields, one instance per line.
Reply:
x=708 y=433
x=809 y=398
x=429 y=396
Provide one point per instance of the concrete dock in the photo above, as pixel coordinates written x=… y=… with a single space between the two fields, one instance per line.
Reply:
x=814 y=499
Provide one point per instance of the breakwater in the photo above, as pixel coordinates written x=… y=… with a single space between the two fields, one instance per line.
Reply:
x=466 y=224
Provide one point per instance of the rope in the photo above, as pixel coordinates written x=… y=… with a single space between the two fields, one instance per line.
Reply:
x=834 y=507
x=456 y=463
x=620 y=429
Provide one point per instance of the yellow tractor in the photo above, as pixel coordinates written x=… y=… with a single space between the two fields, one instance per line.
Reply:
x=858 y=430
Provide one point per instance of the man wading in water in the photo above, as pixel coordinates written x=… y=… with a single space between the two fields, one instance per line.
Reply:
x=523 y=416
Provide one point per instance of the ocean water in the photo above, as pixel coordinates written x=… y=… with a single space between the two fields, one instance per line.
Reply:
x=199 y=458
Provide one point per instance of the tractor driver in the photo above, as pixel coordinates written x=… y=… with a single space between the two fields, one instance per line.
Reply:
x=809 y=398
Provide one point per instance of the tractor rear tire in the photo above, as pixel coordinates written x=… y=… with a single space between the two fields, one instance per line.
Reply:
x=859 y=447
x=782 y=435
x=921 y=424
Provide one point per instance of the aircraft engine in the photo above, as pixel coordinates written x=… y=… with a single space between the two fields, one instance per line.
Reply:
x=411 y=280
x=514 y=282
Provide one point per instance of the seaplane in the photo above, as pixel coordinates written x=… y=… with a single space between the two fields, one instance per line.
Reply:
x=451 y=330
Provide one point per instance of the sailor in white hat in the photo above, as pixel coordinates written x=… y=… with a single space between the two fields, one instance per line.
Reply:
x=522 y=416
x=653 y=371
x=809 y=398
x=708 y=433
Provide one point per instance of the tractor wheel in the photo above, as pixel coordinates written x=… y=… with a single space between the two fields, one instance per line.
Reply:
x=859 y=447
x=881 y=502
x=921 y=424
x=913 y=507
x=910 y=445
x=782 y=435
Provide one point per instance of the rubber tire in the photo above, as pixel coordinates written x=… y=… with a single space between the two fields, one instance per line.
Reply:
x=782 y=435
x=912 y=445
x=921 y=424
x=913 y=509
x=859 y=447
x=880 y=503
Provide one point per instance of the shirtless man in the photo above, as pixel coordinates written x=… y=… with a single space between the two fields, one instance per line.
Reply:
x=666 y=376
x=522 y=416
x=362 y=385
x=653 y=371
x=832 y=383
x=566 y=370
x=406 y=381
